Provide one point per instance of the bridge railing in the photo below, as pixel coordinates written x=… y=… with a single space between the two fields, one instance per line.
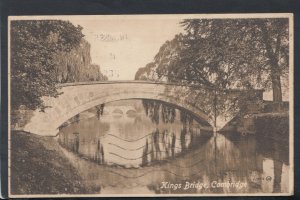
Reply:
x=154 y=82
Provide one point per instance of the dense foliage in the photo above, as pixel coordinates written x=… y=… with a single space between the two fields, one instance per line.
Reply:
x=76 y=65
x=43 y=54
x=34 y=43
x=237 y=53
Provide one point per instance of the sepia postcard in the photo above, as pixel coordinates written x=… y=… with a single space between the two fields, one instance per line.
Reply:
x=151 y=105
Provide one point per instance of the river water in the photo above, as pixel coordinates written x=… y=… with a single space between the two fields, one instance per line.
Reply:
x=135 y=147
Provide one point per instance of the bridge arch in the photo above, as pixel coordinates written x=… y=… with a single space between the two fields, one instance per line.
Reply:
x=200 y=116
x=77 y=98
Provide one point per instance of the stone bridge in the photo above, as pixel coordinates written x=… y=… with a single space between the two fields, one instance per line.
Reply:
x=123 y=109
x=78 y=97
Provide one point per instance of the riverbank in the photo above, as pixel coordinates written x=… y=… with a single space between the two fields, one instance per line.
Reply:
x=38 y=166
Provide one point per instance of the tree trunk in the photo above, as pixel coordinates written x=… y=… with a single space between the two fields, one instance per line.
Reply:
x=276 y=86
x=215 y=112
x=273 y=56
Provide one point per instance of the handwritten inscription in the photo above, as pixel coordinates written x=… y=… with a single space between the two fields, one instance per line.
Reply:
x=105 y=37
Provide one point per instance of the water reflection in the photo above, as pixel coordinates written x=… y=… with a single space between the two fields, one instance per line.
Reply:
x=137 y=152
x=124 y=138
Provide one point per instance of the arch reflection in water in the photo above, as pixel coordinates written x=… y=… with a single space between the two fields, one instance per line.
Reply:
x=132 y=133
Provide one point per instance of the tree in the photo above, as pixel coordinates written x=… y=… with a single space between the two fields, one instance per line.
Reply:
x=235 y=53
x=220 y=54
x=76 y=65
x=34 y=43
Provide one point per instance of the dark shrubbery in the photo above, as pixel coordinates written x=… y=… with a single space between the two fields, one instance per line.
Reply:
x=275 y=126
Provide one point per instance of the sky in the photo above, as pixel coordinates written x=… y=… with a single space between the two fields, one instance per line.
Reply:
x=122 y=45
